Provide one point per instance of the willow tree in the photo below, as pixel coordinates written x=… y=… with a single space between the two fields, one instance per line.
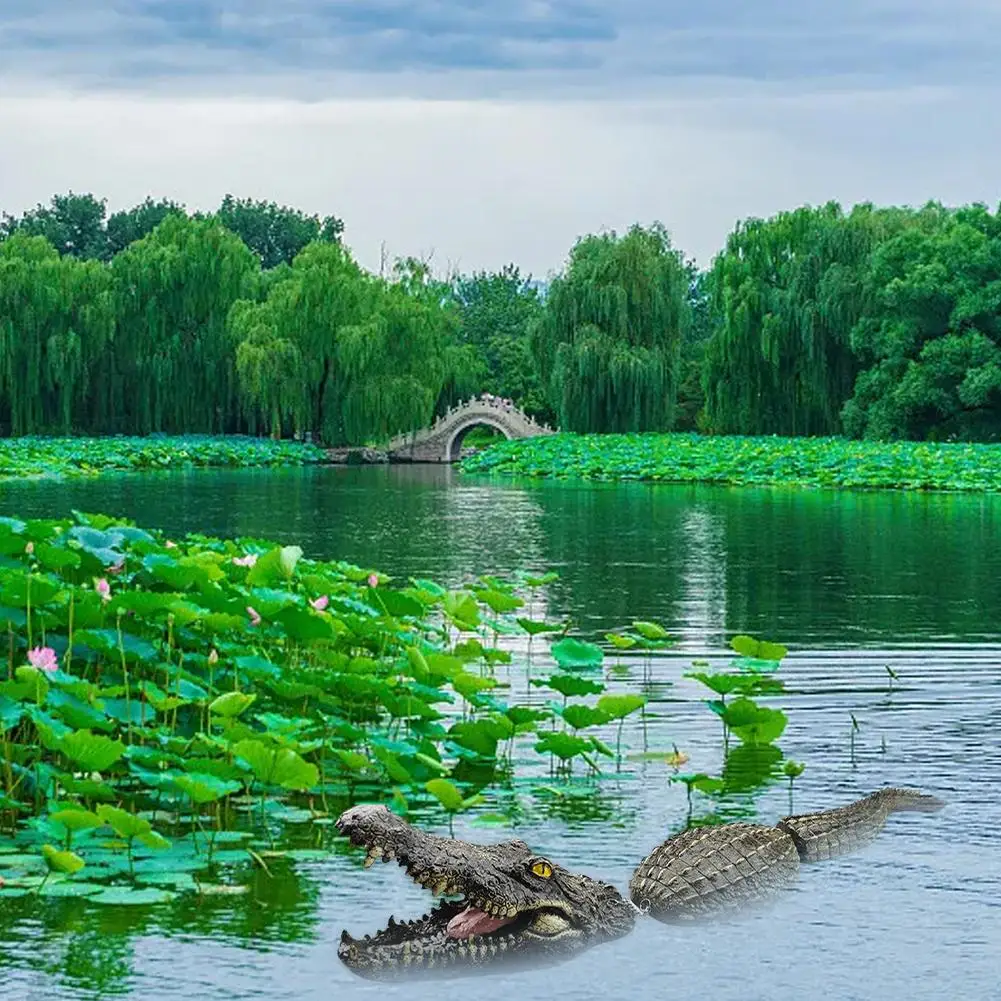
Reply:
x=361 y=358
x=397 y=362
x=56 y=316
x=269 y=368
x=608 y=340
x=171 y=367
x=786 y=294
x=322 y=292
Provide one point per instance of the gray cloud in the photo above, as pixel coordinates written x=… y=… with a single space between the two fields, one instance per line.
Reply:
x=562 y=117
x=319 y=48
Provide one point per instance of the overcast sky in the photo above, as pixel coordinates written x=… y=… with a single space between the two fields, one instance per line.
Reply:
x=488 y=131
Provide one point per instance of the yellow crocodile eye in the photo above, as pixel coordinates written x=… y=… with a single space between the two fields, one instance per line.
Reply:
x=543 y=869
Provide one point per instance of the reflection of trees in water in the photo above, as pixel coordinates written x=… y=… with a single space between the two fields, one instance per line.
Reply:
x=81 y=947
x=809 y=568
x=585 y=802
x=87 y=948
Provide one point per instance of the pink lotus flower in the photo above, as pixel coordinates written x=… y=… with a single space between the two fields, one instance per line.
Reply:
x=29 y=548
x=213 y=656
x=43 y=658
x=245 y=561
x=320 y=603
x=373 y=580
x=255 y=619
x=170 y=545
x=103 y=588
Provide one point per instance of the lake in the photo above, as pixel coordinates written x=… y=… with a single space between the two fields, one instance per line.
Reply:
x=852 y=583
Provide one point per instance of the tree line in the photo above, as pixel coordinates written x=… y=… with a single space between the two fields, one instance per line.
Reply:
x=873 y=322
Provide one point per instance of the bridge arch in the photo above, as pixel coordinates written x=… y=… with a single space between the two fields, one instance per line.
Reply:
x=453 y=448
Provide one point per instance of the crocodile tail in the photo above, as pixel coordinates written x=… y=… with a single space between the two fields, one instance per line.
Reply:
x=909 y=801
x=826 y=835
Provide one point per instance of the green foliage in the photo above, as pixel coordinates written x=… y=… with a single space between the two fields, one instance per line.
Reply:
x=74 y=225
x=754 y=724
x=130 y=827
x=91 y=456
x=569 y=685
x=276 y=766
x=157 y=320
x=129 y=225
x=608 y=341
x=56 y=326
x=785 y=295
x=931 y=337
x=174 y=289
x=448 y=794
x=78 y=226
x=805 y=462
x=192 y=681
x=338 y=351
x=620 y=706
x=572 y=653
x=274 y=233
x=882 y=323
x=496 y=315
x=62 y=861
x=748 y=646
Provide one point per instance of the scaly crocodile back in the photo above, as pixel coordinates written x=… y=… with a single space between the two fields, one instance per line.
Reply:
x=826 y=835
x=707 y=869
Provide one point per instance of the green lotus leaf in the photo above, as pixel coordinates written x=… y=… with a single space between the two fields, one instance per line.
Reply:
x=572 y=653
x=62 y=861
x=91 y=752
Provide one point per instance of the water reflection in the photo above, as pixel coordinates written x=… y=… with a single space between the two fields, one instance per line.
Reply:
x=812 y=567
x=851 y=582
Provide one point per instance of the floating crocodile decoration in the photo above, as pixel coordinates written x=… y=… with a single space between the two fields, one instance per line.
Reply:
x=504 y=904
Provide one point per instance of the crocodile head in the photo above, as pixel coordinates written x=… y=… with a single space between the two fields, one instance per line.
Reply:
x=503 y=905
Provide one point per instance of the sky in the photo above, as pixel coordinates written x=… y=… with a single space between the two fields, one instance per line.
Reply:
x=474 y=133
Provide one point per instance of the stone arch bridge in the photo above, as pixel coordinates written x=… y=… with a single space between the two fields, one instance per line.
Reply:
x=442 y=442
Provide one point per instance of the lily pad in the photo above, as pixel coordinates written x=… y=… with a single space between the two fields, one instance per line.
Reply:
x=129 y=896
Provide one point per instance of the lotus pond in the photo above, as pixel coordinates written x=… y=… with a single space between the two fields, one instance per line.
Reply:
x=586 y=666
x=36 y=456
x=743 y=461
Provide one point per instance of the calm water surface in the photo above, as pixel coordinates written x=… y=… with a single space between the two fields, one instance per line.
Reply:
x=851 y=582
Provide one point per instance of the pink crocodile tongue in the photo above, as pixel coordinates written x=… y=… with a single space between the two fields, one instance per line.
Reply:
x=473 y=921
